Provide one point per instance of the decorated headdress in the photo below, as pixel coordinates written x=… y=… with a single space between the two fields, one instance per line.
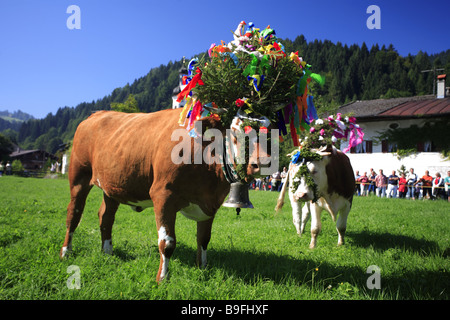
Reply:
x=251 y=74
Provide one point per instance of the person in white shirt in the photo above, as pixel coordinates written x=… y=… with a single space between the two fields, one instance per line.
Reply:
x=411 y=178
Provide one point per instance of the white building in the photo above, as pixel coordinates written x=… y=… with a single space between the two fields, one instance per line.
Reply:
x=377 y=116
x=181 y=85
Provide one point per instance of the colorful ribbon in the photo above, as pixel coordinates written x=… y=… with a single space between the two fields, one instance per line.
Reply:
x=280 y=123
x=197 y=79
x=353 y=141
x=256 y=80
x=311 y=111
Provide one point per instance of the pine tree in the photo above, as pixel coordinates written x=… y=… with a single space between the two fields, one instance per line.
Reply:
x=129 y=106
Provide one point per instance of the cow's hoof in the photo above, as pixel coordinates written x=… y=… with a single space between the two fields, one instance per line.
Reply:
x=65 y=251
x=107 y=247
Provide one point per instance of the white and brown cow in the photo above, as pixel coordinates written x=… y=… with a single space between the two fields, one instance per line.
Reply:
x=335 y=182
x=128 y=156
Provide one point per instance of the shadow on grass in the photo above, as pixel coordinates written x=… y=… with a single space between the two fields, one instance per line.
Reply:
x=384 y=241
x=252 y=267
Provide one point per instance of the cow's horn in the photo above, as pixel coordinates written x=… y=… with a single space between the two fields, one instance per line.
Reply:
x=322 y=151
x=215 y=110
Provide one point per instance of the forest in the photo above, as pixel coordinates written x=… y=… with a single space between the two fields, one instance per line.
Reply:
x=351 y=73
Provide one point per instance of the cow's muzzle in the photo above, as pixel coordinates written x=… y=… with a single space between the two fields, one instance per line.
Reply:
x=255 y=168
x=301 y=196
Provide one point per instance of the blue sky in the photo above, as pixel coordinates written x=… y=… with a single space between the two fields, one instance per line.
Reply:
x=45 y=66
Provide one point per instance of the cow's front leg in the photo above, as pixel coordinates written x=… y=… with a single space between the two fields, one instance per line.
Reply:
x=296 y=213
x=166 y=246
x=316 y=224
x=306 y=211
x=203 y=237
x=341 y=224
x=165 y=213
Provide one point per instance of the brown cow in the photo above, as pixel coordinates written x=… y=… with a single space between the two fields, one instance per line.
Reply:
x=128 y=156
x=335 y=182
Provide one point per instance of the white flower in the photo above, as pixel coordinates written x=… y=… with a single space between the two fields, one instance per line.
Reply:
x=341 y=125
x=319 y=121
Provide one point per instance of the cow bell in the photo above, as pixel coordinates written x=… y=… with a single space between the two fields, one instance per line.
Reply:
x=238 y=197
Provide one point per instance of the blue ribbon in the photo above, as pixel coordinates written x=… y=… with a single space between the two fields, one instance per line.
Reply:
x=281 y=124
x=255 y=82
x=232 y=56
x=191 y=66
x=312 y=112
x=296 y=158
x=192 y=133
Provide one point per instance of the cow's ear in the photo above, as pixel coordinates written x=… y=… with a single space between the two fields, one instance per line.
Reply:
x=330 y=149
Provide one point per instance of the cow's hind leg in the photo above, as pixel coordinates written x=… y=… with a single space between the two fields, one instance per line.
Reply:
x=79 y=191
x=203 y=238
x=106 y=215
x=341 y=224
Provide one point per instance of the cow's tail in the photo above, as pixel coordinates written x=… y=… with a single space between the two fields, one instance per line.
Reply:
x=280 y=201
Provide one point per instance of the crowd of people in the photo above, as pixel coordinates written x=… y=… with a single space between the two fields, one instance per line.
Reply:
x=407 y=185
x=5 y=169
x=270 y=183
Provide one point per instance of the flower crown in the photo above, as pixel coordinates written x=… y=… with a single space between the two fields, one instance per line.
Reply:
x=326 y=132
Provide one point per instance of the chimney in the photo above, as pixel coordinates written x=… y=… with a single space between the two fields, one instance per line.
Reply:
x=441 y=86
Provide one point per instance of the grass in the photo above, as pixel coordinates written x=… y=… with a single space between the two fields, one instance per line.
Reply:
x=257 y=255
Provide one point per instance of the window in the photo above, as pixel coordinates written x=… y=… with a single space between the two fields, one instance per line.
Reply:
x=384 y=146
x=364 y=147
x=392 y=147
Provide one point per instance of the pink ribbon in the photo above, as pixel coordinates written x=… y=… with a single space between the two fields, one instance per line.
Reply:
x=353 y=141
x=195 y=112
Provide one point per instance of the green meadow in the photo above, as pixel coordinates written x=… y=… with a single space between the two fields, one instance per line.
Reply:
x=256 y=255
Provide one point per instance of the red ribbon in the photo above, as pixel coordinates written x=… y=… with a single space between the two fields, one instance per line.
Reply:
x=294 y=133
x=191 y=85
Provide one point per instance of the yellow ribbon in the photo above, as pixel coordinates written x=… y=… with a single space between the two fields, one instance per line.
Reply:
x=184 y=112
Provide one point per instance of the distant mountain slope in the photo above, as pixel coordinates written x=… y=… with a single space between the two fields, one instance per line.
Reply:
x=15 y=116
x=13 y=120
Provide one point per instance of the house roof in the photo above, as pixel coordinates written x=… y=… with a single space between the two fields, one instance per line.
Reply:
x=420 y=108
x=408 y=107
x=20 y=152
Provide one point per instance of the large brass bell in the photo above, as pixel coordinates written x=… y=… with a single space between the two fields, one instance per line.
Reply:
x=238 y=197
